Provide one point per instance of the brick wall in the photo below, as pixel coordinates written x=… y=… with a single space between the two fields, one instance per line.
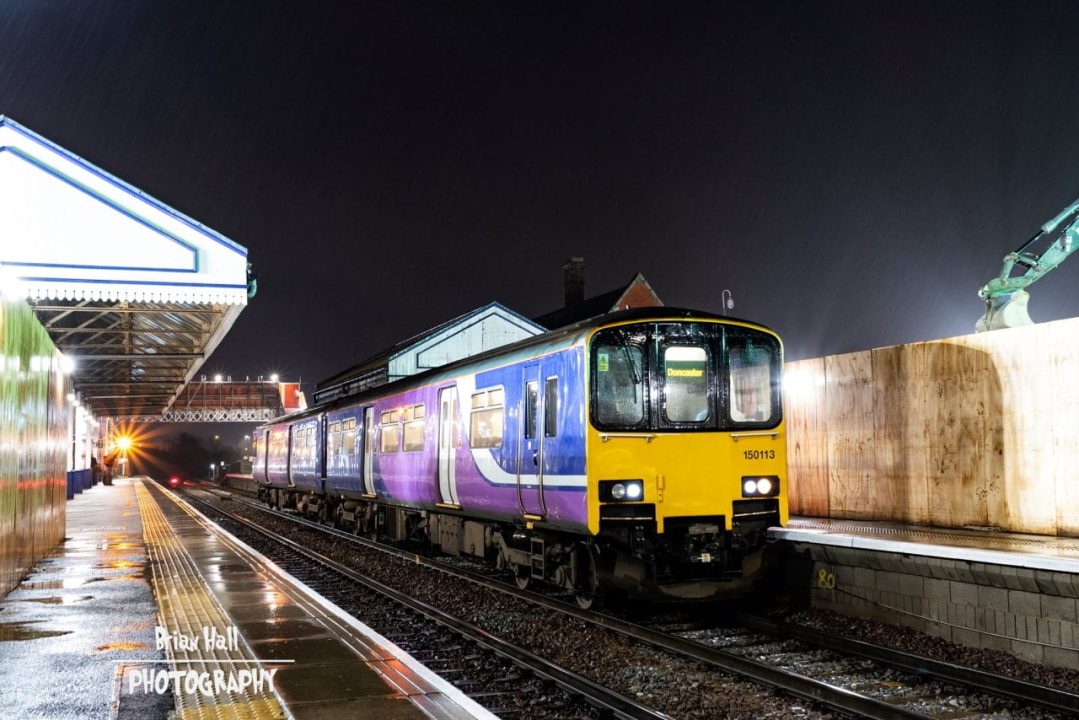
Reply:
x=639 y=294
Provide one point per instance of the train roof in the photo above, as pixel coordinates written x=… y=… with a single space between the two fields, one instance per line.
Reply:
x=554 y=339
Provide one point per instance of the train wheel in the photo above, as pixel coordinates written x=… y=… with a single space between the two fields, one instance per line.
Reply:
x=587 y=590
x=522 y=575
x=589 y=600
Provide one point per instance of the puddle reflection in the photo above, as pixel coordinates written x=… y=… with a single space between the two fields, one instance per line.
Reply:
x=60 y=599
x=24 y=631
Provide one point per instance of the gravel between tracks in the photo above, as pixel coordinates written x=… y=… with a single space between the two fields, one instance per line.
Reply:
x=680 y=688
x=913 y=641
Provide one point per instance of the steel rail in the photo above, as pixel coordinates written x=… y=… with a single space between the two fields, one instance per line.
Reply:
x=1002 y=686
x=792 y=683
x=603 y=698
x=998 y=685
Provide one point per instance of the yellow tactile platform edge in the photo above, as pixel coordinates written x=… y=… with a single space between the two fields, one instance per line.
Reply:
x=185 y=605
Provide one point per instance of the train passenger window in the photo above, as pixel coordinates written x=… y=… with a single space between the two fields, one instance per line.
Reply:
x=685 y=383
x=303 y=443
x=391 y=431
x=348 y=437
x=414 y=426
x=488 y=415
x=619 y=384
x=531 y=404
x=333 y=440
x=751 y=371
x=550 y=407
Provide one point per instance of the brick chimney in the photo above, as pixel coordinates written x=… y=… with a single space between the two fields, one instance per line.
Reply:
x=573 y=279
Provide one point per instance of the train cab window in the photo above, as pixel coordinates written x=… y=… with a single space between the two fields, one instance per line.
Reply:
x=348 y=437
x=550 y=407
x=488 y=416
x=391 y=431
x=414 y=426
x=685 y=383
x=752 y=369
x=618 y=372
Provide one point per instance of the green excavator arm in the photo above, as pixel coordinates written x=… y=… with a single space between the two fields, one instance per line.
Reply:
x=1006 y=296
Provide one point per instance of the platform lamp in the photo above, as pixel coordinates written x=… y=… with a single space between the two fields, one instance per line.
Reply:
x=124 y=443
x=727 y=299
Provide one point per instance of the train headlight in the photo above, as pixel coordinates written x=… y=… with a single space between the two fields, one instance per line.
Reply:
x=621 y=490
x=767 y=486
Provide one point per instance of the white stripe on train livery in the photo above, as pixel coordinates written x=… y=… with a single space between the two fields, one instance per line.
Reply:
x=485 y=459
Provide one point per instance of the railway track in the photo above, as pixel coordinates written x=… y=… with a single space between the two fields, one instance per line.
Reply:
x=846 y=676
x=473 y=659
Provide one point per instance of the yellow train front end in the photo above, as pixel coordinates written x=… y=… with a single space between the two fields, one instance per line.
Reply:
x=686 y=454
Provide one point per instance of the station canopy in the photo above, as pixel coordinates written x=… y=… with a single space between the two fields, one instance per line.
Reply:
x=134 y=293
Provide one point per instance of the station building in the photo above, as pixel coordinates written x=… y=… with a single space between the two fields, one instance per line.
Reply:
x=111 y=303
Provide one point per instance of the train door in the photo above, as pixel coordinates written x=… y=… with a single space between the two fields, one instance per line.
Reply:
x=447 y=445
x=368 y=479
x=530 y=445
x=262 y=458
x=291 y=450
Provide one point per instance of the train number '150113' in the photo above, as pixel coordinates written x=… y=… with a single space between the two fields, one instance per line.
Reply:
x=759 y=454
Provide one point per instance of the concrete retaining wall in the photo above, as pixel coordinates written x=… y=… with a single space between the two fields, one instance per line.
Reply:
x=1029 y=613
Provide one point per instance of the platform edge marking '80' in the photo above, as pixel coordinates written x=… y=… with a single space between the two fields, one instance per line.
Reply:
x=642 y=452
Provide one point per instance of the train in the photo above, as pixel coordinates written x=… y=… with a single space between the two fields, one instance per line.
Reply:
x=640 y=454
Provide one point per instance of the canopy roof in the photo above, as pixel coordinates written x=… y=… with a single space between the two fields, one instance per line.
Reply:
x=137 y=294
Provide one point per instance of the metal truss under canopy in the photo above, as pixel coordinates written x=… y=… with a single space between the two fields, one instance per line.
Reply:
x=136 y=294
x=214 y=415
x=133 y=358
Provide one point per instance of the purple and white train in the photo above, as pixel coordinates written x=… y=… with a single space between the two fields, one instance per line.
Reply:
x=641 y=452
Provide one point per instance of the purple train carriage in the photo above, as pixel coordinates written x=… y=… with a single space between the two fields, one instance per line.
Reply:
x=642 y=452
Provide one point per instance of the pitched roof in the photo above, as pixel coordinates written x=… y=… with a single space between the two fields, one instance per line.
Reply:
x=135 y=292
x=591 y=307
x=382 y=358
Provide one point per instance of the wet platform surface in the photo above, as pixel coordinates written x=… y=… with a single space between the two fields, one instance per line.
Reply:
x=85 y=608
x=140 y=570
x=1036 y=552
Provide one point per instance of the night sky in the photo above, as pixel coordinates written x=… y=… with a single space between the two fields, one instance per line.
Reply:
x=852 y=171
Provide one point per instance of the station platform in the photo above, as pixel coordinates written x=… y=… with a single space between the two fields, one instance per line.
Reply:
x=1005 y=591
x=149 y=610
x=999 y=548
